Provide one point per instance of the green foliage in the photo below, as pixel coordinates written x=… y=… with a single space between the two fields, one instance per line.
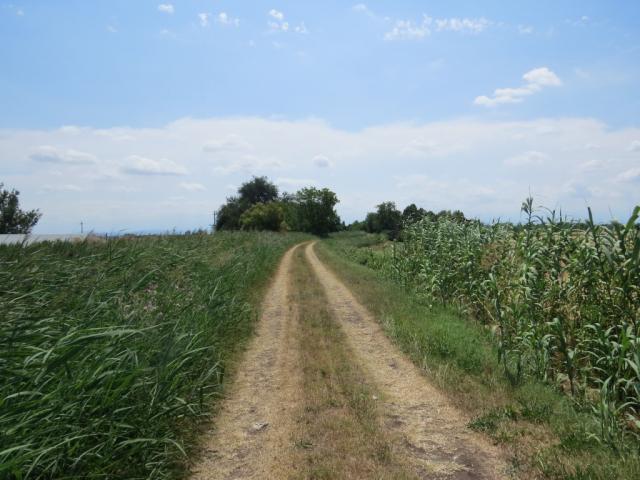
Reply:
x=312 y=210
x=562 y=299
x=264 y=216
x=256 y=190
x=12 y=218
x=112 y=352
x=258 y=207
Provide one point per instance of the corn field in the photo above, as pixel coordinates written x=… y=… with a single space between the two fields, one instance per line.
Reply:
x=112 y=352
x=562 y=299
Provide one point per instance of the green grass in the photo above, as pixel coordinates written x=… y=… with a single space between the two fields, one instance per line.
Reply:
x=546 y=434
x=112 y=353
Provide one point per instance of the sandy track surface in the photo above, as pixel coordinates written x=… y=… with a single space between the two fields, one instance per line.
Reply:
x=432 y=436
x=252 y=434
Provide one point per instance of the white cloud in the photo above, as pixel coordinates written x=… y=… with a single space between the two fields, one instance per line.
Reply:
x=166 y=8
x=631 y=175
x=530 y=158
x=634 y=146
x=279 y=24
x=225 y=19
x=137 y=165
x=362 y=8
x=458 y=163
x=535 y=79
x=276 y=14
x=51 y=154
x=525 y=29
x=302 y=29
x=204 y=19
x=230 y=143
x=66 y=187
x=410 y=30
x=192 y=187
x=295 y=182
x=471 y=25
x=322 y=161
x=407 y=30
x=112 y=29
x=542 y=77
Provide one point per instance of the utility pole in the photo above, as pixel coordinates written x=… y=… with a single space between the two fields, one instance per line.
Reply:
x=215 y=220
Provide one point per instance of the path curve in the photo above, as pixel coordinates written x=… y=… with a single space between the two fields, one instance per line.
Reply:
x=433 y=436
x=251 y=438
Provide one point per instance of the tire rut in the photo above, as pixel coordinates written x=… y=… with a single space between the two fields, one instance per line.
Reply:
x=251 y=438
x=431 y=435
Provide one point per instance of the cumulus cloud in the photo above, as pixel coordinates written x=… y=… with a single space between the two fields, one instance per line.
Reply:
x=470 y=25
x=408 y=29
x=192 y=186
x=137 y=165
x=224 y=18
x=525 y=159
x=204 y=19
x=166 y=8
x=277 y=23
x=51 y=154
x=634 y=146
x=362 y=8
x=321 y=161
x=535 y=79
x=484 y=168
x=525 y=29
x=276 y=14
x=631 y=175
x=287 y=182
x=229 y=143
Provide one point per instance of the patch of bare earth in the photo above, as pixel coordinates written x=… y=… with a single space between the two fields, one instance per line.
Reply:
x=252 y=436
x=428 y=433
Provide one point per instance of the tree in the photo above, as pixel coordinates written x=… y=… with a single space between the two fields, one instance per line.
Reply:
x=12 y=218
x=230 y=213
x=264 y=216
x=314 y=211
x=256 y=190
x=389 y=219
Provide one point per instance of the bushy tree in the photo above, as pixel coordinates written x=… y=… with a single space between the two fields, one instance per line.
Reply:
x=12 y=218
x=314 y=211
x=264 y=216
x=257 y=190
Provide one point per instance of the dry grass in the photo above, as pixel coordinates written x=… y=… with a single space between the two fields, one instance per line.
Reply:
x=339 y=432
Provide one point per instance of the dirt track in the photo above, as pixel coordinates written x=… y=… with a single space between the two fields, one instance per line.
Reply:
x=253 y=436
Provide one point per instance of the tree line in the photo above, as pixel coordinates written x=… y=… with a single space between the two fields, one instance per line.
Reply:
x=259 y=205
x=388 y=219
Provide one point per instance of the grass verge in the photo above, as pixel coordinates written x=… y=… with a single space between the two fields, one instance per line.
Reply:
x=339 y=434
x=111 y=353
x=547 y=436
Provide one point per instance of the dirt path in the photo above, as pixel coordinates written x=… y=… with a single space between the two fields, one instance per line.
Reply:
x=433 y=437
x=297 y=409
x=252 y=434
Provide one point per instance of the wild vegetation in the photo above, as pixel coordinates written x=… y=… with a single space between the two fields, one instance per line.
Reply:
x=12 y=218
x=561 y=299
x=259 y=206
x=111 y=353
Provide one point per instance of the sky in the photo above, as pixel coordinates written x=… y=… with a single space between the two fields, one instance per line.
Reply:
x=144 y=115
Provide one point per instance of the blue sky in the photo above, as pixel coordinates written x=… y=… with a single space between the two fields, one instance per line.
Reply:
x=146 y=114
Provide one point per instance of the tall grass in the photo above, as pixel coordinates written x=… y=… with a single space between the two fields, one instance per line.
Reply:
x=562 y=298
x=111 y=353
